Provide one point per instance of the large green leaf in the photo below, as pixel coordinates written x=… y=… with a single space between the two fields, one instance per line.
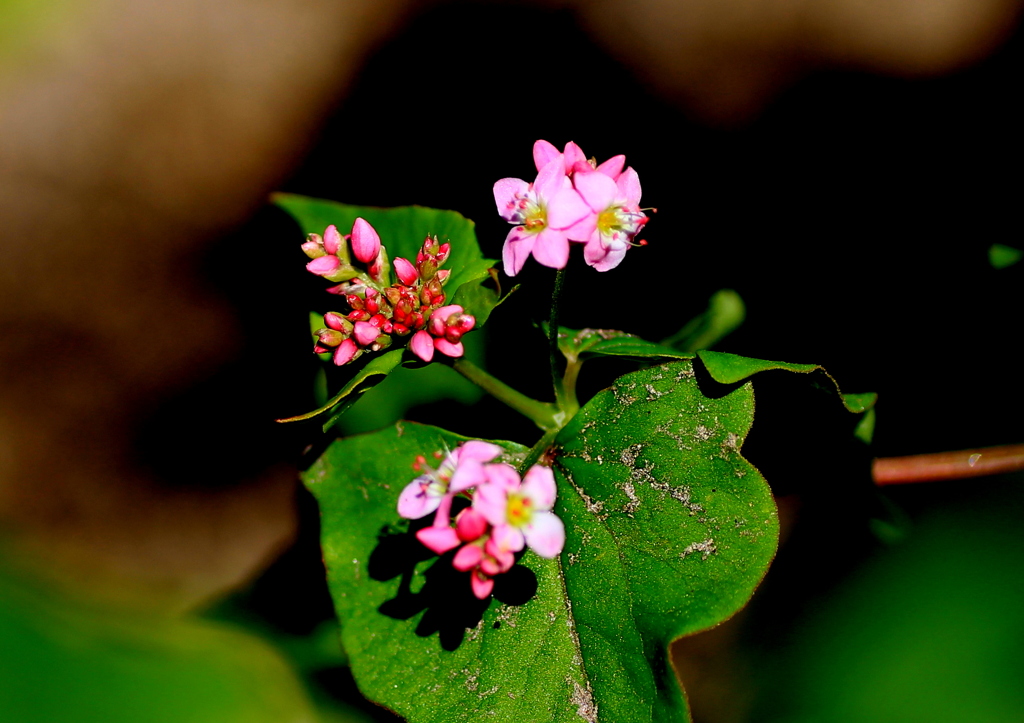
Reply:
x=669 y=530
x=402 y=230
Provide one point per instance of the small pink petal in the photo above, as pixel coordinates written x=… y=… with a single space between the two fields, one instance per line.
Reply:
x=552 y=248
x=365 y=333
x=566 y=208
x=613 y=257
x=448 y=349
x=498 y=558
x=479 y=450
x=507 y=539
x=506 y=192
x=470 y=525
x=365 y=241
x=613 y=167
x=482 y=585
x=422 y=345
x=544 y=153
x=491 y=501
x=550 y=180
x=405 y=271
x=545 y=534
x=444 y=312
x=414 y=502
x=467 y=558
x=345 y=352
x=598 y=191
x=469 y=473
x=438 y=539
x=324 y=265
x=629 y=186
x=502 y=475
x=518 y=245
x=539 y=486
x=574 y=155
x=332 y=239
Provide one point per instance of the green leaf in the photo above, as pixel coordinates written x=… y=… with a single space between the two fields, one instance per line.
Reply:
x=77 y=663
x=725 y=313
x=578 y=344
x=1001 y=256
x=669 y=530
x=402 y=230
x=369 y=375
x=732 y=368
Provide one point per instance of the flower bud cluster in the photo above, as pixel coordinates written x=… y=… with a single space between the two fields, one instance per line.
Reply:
x=381 y=311
x=506 y=514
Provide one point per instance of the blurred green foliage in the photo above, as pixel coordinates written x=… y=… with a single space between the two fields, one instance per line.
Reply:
x=75 y=662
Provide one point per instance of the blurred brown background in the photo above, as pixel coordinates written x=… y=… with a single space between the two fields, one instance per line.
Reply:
x=841 y=163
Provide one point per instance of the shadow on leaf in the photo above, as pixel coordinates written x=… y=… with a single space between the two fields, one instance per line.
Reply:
x=446 y=600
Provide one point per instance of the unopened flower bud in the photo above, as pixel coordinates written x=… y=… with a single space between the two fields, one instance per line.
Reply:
x=405 y=271
x=470 y=525
x=358 y=315
x=452 y=334
x=377 y=320
x=324 y=265
x=356 y=302
x=365 y=333
x=442 y=253
x=329 y=337
x=382 y=342
x=365 y=241
x=422 y=345
x=319 y=349
x=345 y=352
x=332 y=240
x=428 y=268
x=337 y=321
x=399 y=329
x=314 y=246
x=463 y=322
x=393 y=295
x=442 y=275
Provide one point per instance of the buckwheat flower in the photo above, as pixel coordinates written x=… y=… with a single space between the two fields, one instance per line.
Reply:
x=444 y=332
x=521 y=512
x=433 y=491
x=542 y=210
x=608 y=232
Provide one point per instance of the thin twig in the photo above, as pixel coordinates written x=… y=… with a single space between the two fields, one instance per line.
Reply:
x=948 y=465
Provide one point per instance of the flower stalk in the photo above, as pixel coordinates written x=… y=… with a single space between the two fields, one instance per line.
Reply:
x=544 y=415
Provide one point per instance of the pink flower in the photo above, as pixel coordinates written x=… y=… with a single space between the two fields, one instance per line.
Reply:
x=542 y=210
x=460 y=470
x=608 y=232
x=521 y=512
x=434 y=490
x=573 y=159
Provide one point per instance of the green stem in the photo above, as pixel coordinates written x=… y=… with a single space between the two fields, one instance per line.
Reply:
x=546 y=416
x=572 y=372
x=537 y=451
x=553 y=352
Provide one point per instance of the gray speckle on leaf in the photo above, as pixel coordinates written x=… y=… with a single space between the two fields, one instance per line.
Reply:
x=583 y=699
x=706 y=548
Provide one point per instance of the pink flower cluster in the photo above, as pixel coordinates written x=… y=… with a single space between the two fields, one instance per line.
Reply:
x=572 y=199
x=507 y=513
x=381 y=310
